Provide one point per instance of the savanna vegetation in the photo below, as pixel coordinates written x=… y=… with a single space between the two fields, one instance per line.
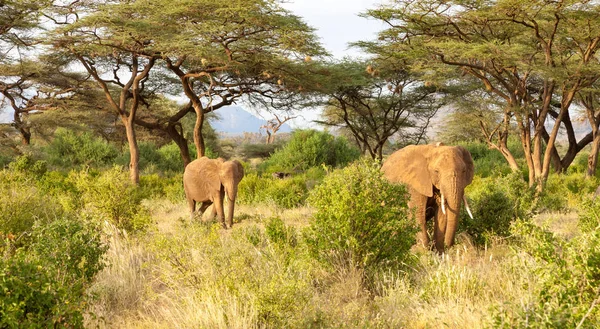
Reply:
x=94 y=229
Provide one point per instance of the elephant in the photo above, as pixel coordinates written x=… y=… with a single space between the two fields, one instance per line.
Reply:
x=208 y=181
x=436 y=176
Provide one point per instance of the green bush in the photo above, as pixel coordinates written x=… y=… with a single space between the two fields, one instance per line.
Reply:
x=22 y=204
x=567 y=281
x=285 y=193
x=111 y=196
x=69 y=149
x=27 y=165
x=44 y=284
x=564 y=192
x=361 y=215
x=258 y=150
x=311 y=148
x=589 y=214
x=279 y=233
x=155 y=186
x=73 y=247
x=490 y=162
x=495 y=203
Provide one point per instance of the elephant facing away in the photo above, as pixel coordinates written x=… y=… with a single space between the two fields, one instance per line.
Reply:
x=207 y=181
x=436 y=176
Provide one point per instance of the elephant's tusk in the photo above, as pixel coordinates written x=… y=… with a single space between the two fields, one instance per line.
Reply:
x=467 y=206
x=443 y=204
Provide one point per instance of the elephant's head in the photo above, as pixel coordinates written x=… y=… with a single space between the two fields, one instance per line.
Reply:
x=430 y=169
x=230 y=175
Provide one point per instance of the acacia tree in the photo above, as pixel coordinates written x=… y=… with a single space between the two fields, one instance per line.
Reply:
x=110 y=45
x=472 y=116
x=20 y=72
x=589 y=100
x=272 y=127
x=375 y=105
x=222 y=51
x=534 y=55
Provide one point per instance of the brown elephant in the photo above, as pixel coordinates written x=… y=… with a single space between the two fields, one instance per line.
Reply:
x=208 y=181
x=436 y=177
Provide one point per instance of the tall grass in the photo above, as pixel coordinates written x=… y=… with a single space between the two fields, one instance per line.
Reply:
x=184 y=275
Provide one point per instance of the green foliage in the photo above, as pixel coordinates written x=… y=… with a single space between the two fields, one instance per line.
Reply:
x=43 y=284
x=258 y=150
x=311 y=148
x=589 y=214
x=495 y=203
x=361 y=215
x=72 y=246
x=22 y=204
x=279 y=233
x=111 y=196
x=285 y=193
x=489 y=162
x=70 y=149
x=27 y=165
x=568 y=281
x=563 y=192
x=155 y=186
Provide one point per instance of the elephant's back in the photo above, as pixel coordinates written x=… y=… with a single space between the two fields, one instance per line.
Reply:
x=398 y=161
x=200 y=179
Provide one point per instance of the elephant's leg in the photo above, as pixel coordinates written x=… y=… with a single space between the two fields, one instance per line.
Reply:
x=205 y=206
x=219 y=206
x=439 y=230
x=418 y=204
x=192 y=207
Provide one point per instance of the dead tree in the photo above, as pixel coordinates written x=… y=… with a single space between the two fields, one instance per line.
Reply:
x=273 y=125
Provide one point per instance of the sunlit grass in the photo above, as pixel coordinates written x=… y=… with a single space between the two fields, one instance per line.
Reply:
x=183 y=274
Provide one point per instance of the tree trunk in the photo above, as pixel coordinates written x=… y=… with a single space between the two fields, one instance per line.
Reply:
x=198 y=138
x=134 y=154
x=593 y=157
x=181 y=142
x=25 y=136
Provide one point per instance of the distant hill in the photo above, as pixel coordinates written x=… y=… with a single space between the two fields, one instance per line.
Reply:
x=236 y=120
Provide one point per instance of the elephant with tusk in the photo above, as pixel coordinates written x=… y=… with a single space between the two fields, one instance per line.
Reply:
x=436 y=176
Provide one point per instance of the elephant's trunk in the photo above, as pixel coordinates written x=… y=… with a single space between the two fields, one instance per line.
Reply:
x=453 y=198
x=231 y=190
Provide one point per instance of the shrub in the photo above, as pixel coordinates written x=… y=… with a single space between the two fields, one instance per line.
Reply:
x=155 y=186
x=490 y=162
x=70 y=149
x=43 y=285
x=279 y=233
x=589 y=214
x=285 y=193
x=360 y=214
x=22 y=204
x=258 y=150
x=311 y=148
x=495 y=203
x=27 y=165
x=111 y=196
x=567 y=285
x=564 y=192
x=73 y=247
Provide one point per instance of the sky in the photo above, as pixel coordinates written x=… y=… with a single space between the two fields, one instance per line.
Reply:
x=337 y=23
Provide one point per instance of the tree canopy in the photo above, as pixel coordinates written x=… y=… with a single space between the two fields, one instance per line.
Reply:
x=535 y=56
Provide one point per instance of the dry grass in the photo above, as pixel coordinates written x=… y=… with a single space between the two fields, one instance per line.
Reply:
x=182 y=275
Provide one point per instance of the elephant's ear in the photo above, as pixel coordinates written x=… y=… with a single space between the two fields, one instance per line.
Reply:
x=466 y=155
x=409 y=166
x=231 y=170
